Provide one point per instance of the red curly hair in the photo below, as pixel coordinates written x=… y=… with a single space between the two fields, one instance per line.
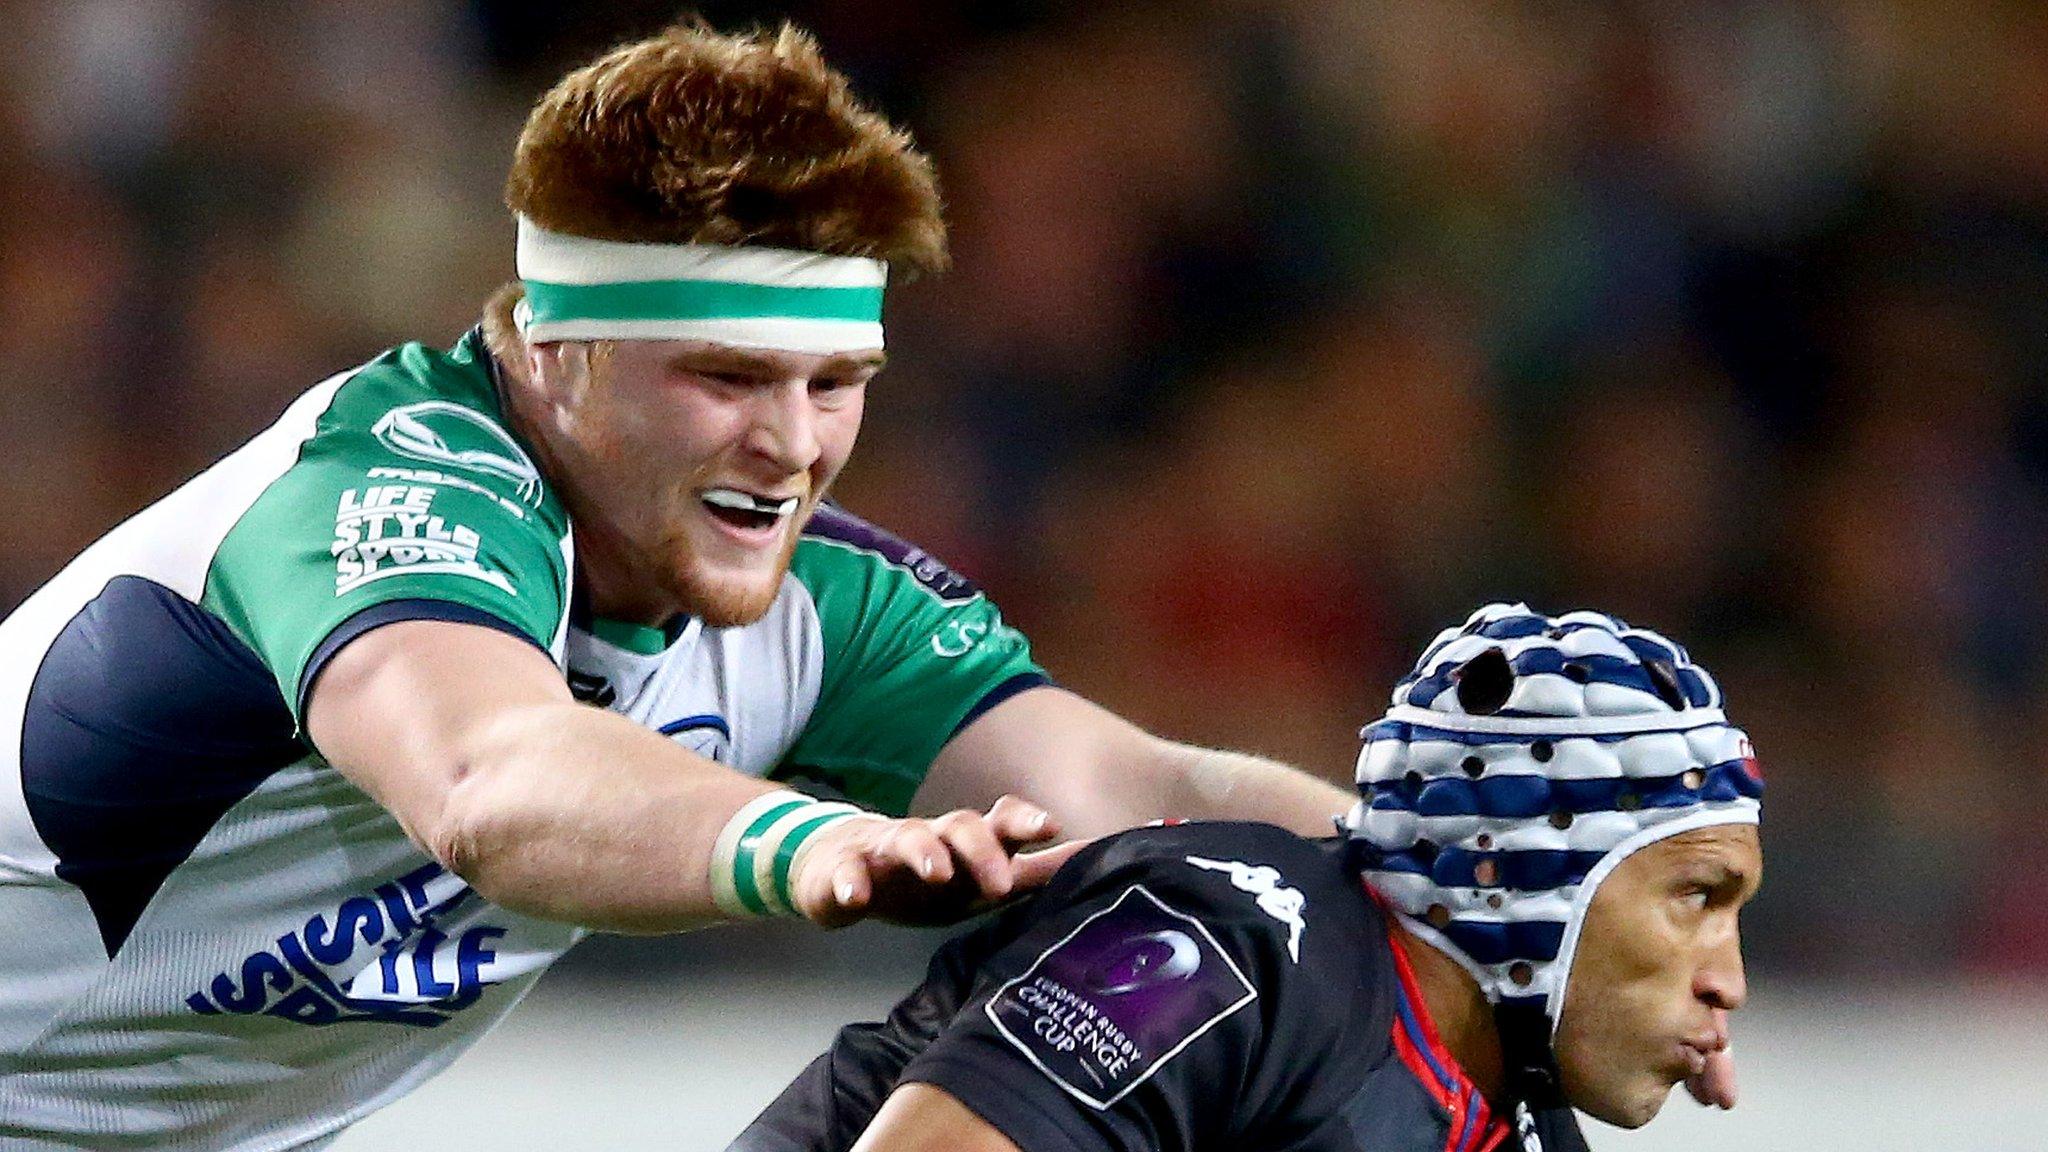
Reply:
x=698 y=137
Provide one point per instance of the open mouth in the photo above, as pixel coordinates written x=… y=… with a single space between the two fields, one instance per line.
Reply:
x=746 y=511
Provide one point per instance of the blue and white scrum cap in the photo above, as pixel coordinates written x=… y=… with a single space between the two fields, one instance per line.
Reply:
x=1522 y=760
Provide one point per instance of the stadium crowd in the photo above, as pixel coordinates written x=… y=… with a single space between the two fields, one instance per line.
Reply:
x=1278 y=334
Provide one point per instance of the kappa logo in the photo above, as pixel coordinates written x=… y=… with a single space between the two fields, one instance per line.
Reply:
x=1275 y=899
x=445 y=433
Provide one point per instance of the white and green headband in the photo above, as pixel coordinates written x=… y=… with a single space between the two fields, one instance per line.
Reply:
x=583 y=289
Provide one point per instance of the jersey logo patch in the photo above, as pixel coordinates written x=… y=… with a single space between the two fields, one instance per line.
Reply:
x=381 y=957
x=1275 y=899
x=836 y=525
x=445 y=433
x=1119 y=996
x=390 y=530
x=958 y=638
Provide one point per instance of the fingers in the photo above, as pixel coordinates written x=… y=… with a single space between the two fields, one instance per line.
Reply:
x=924 y=870
x=850 y=887
x=844 y=902
x=1031 y=870
x=984 y=845
x=972 y=840
x=914 y=845
x=830 y=881
x=963 y=842
x=1018 y=822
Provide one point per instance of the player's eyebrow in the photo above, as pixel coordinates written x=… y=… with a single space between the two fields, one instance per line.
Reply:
x=1721 y=859
x=742 y=362
x=718 y=359
x=855 y=361
x=1729 y=875
x=1743 y=878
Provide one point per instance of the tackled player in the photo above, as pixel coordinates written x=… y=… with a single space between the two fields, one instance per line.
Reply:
x=1533 y=905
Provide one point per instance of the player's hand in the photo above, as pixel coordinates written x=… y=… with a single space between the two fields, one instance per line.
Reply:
x=1715 y=1084
x=924 y=871
x=1033 y=869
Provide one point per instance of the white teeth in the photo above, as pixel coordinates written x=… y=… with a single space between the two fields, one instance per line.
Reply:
x=748 y=502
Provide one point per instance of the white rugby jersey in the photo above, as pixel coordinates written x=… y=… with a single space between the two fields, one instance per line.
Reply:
x=210 y=939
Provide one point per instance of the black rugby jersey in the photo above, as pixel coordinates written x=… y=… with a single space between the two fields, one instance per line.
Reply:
x=1202 y=986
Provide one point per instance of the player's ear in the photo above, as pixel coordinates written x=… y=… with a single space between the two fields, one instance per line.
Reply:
x=557 y=372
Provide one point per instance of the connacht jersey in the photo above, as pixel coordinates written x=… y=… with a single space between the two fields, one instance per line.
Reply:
x=209 y=938
x=1206 y=986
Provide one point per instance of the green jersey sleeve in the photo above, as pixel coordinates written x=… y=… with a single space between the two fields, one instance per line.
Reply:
x=410 y=489
x=911 y=651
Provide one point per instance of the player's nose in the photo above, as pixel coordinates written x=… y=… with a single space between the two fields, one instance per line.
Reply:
x=1720 y=981
x=785 y=428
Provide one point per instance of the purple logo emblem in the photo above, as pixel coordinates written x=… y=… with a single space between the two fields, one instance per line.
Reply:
x=1118 y=997
x=1153 y=958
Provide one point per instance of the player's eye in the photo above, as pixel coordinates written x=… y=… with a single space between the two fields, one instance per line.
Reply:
x=728 y=378
x=835 y=389
x=1695 y=894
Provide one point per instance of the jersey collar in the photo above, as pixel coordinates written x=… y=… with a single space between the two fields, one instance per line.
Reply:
x=638 y=639
x=1474 y=1127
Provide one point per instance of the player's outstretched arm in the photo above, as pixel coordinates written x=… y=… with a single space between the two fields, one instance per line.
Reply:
x=922 y=1118
x=1099 y=773
x=571 y=813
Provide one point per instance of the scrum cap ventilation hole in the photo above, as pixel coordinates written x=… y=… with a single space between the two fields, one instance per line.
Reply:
x=1484 y=683
x=1663 y=676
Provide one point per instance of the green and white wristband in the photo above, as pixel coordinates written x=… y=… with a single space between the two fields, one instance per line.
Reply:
x=758 y=850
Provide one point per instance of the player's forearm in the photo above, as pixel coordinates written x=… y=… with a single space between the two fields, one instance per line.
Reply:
x=1215 y=785
x=567 y=813
x=922 y=1118
x=1099 y=773
x=1161 y=779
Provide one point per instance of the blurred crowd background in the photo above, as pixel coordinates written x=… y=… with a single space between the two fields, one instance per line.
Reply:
x=1282 y=333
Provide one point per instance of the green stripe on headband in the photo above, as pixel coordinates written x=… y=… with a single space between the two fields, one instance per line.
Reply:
x=698 y=300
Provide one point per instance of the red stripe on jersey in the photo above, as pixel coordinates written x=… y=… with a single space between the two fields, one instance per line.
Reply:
x=1437 y=1089
x=1431 y=1062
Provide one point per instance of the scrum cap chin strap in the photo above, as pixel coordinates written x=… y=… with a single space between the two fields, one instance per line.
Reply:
x=1534 y=1086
